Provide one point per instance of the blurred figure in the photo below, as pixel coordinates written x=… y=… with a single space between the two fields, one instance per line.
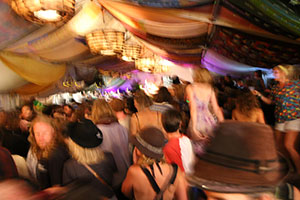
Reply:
x=201 y=95
x=242 y=163
x=115 y=139
x=26 y=116
x=144 y=117
x=118 y=107
x=88 y=160
x=47 y=152
x=286 y=97
x=247 y=109
x=150 y=177
x=179 y=148
x=7 y=166
x=163 y=100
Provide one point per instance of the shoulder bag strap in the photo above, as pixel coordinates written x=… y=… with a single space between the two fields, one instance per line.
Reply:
x=96 y=175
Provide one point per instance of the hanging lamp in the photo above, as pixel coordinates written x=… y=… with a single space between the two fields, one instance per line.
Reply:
x=105 y=42
x=44 y=11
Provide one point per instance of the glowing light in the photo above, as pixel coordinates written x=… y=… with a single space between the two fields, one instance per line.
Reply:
x=48 y=15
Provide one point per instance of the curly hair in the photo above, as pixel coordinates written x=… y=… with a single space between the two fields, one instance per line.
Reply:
x=58 y=138
x=246 y=103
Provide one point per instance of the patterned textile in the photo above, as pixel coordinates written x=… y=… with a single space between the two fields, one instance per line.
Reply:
x=287 y=101
x=171 y=3
x=7 y=165
x=259 y=18
x=254 y=50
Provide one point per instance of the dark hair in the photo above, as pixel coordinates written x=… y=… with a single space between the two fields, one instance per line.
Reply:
x=171 y=120
x=163 y=95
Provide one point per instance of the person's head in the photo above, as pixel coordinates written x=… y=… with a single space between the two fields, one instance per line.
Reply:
x=141 y=100
x=117 y=105
x=282 y=72
x=163 y=95
x=149 y=142
x=27 y=112
x=202 y=75
x=84 y=141
x=68 y=110
x=246 y=103
x=101 y=110
x=12 y=120
x=44 y=136
x=171 y=120
x=241 y=162
x=258 y=74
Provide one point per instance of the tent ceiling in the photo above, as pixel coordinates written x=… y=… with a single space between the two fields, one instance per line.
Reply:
x=260 y=33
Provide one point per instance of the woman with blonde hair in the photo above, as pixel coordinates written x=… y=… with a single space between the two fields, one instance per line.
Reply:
x=286 y=97
x=201 y=96
x=115 y=138
x=47 y=152
x=89 y=162
x=247 y=109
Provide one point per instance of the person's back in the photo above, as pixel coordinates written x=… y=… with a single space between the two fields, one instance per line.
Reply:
x=256 y=115
x=142 y=188
x=247 y=109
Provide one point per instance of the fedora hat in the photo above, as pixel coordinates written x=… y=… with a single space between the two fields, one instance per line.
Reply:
x=150 y=141
x=242 y=158
x=85 y=133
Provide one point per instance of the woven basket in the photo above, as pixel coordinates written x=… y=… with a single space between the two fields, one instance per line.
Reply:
x=131 y=52
x=28 y=8
x=106 y=42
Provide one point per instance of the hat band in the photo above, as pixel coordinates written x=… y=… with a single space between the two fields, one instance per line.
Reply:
x=149 y=146
x=256 y=166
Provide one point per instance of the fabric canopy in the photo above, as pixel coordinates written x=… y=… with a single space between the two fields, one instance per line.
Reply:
x=32 y=70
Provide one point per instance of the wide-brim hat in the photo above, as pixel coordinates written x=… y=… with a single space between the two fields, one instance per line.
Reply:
x=150 y=141
x=85 y=133
x=242 y=158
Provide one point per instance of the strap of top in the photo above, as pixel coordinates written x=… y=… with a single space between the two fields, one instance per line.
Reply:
x=138 y=121
x=156 y=188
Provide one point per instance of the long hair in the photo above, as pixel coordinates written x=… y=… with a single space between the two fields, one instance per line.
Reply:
x=163 y=95
x=57 y=139
x=87 y=156
x=202 y=75
x=101 y=109
x=246 y=103
x=142 y=99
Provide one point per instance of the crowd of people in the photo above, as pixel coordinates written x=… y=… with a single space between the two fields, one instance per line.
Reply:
x=210 y=139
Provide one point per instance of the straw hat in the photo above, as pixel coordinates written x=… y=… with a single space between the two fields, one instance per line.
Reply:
x=241 y=158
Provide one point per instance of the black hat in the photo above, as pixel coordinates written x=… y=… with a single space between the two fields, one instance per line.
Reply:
x=85 y=133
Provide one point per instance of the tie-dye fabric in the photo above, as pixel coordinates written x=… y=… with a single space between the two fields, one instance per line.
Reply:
x=287 y=101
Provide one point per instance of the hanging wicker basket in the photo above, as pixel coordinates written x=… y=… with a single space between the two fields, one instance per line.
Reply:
x=44 y=11
x=105 y=42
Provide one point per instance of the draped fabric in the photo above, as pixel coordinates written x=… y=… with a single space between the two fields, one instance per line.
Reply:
x=32 y=70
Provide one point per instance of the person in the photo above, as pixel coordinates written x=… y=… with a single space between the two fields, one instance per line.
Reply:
x=150 y=177
x=115 y=139
x=88 y=159
x=247 y=109
x=144 y=117
x=26 y=116
x=8 y=167
x=179 y=148
x=163 y=100
x=286 y=97
x=242 y=163
x=201 y=95
x=118 y=107
x=47 y=152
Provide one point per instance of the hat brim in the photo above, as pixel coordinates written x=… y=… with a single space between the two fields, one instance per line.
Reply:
x=218 y=178
x=144 y=150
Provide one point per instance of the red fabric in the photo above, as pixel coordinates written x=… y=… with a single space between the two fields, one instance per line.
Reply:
x=8 y=168
x=172 y=152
